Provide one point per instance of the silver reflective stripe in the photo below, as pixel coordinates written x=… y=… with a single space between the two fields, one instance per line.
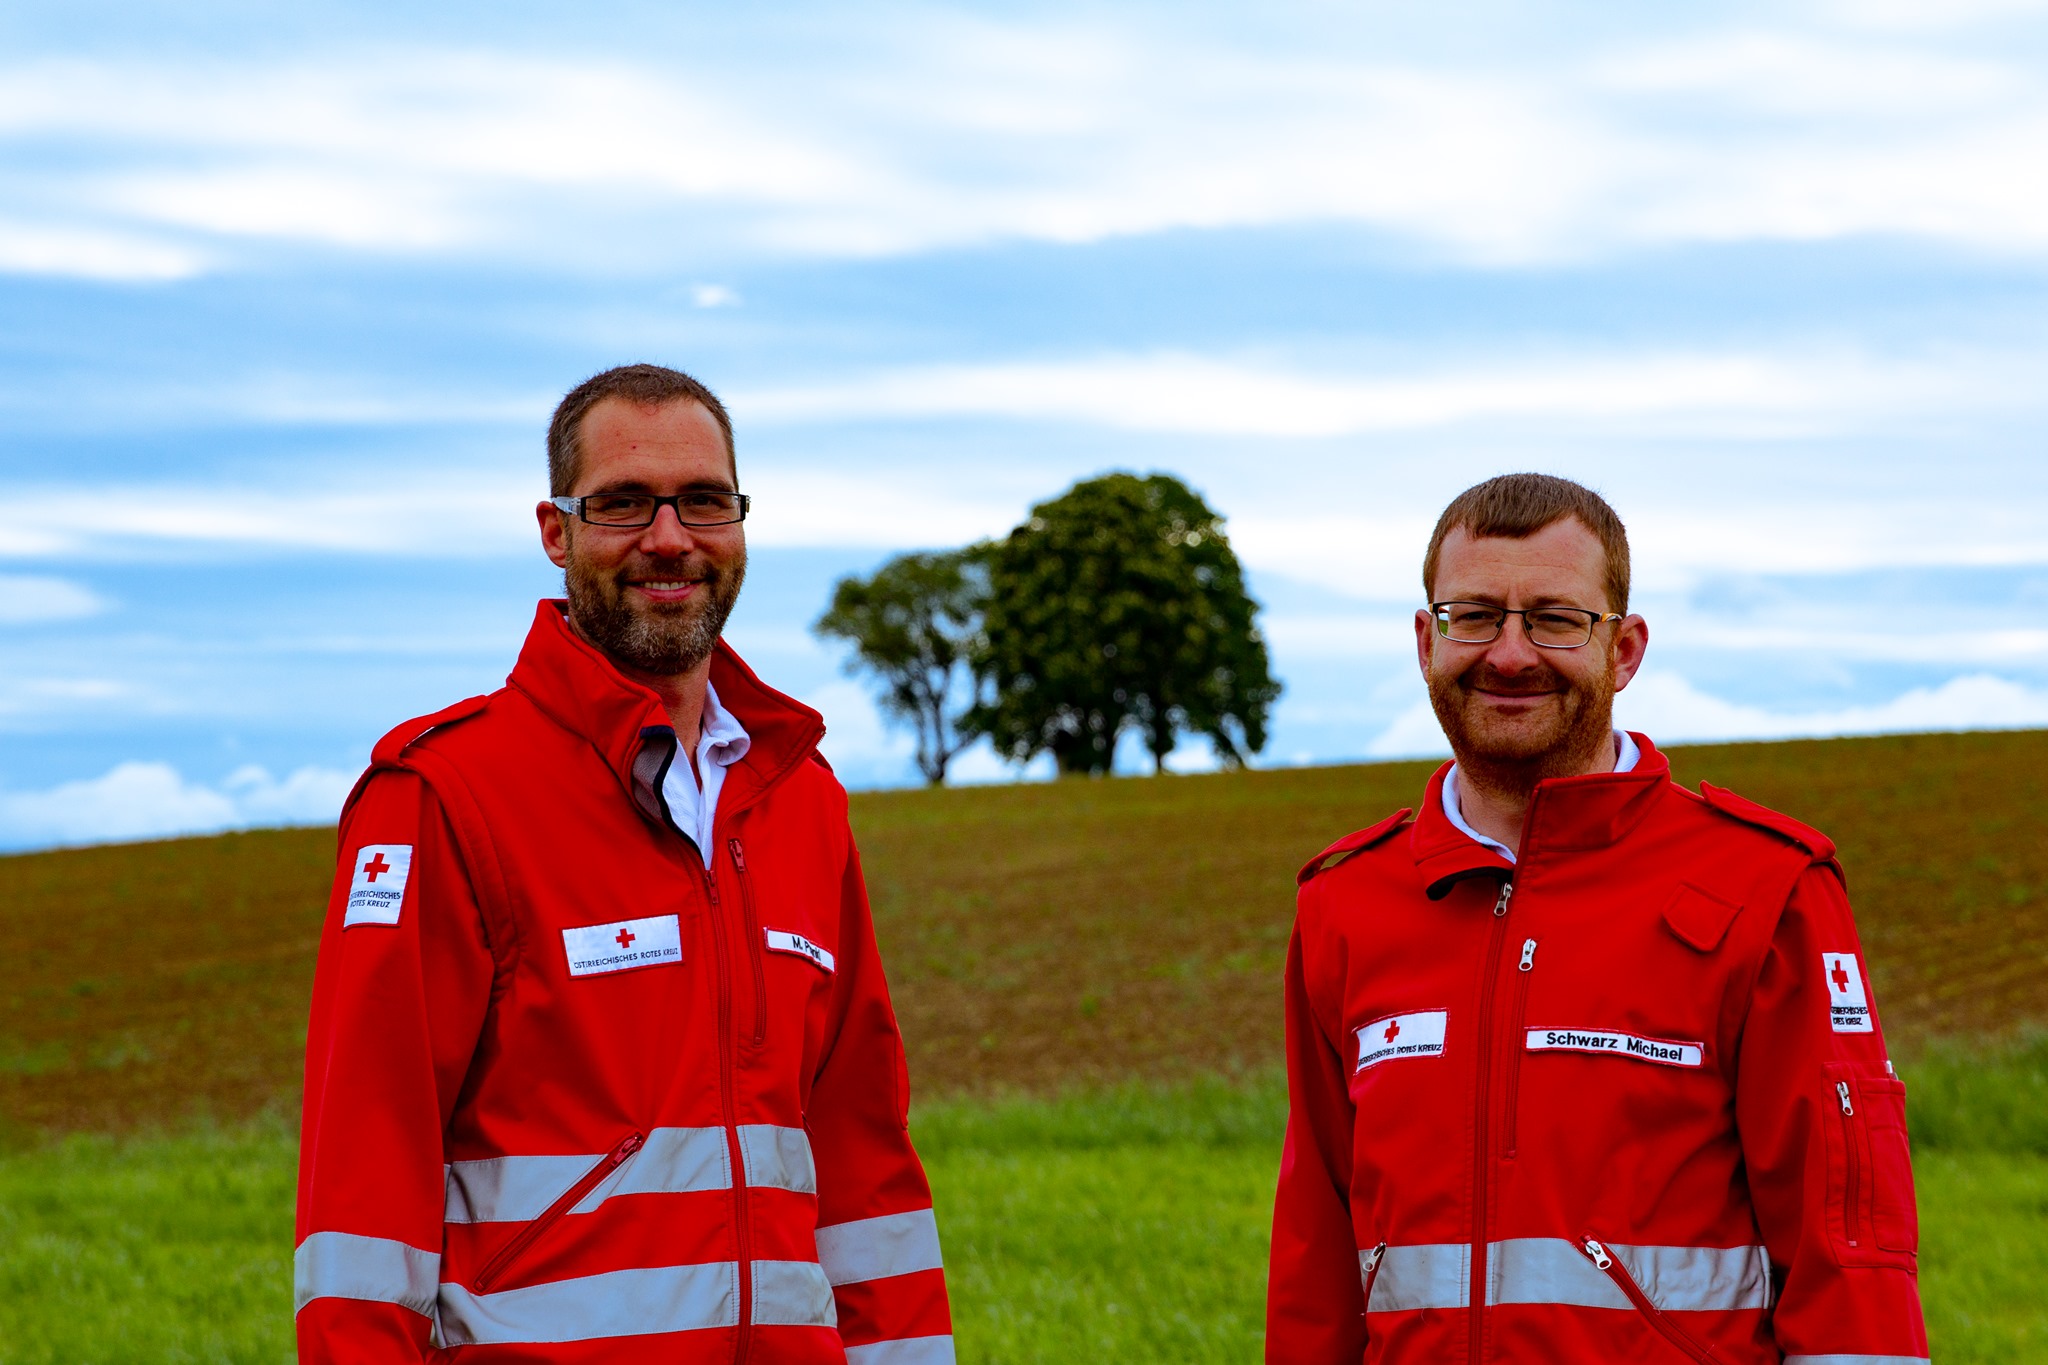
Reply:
x=903 y=1351
x=341 y=1265
x=778 y=1158
x=792 y=1294
x=672 y=1161
x=517 y=1189
x=1432 y=1275
x=621 y=1303
x=876 y=1248
x=1553 y=1270
x=1675 y=1279
x=1700 y=1279
x=1852 y=1358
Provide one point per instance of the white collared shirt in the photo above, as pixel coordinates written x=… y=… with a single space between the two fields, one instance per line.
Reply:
x=1627 y=755
x=721 y=744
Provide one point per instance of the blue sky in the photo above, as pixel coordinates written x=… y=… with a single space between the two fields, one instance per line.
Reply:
x=285 y=301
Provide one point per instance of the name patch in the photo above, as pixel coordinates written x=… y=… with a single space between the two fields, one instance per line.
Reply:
x=1643 y=1049
x=1848 y=1006
x=782 y=941
x=1417 y=1034
x=596 y=949
x=376 y=892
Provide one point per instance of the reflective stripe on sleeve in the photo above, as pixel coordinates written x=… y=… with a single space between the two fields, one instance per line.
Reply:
x=1553 y=1270
x=1852 y=1358
x=877 y=1248
x=515 y=1189
x=903 y=1351
x=778 y=1158
x=341 y=1265
x=793 y=1294
x=619 y=1303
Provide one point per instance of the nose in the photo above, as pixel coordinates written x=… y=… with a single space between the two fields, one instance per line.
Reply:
x=666 y=534
x=1511 y=651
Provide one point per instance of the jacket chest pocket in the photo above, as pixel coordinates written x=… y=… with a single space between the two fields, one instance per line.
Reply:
x=772 y=936
x=1871 y=1214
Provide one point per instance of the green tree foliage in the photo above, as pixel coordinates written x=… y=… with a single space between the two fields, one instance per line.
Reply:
x=914 y=624
x=1120 y=603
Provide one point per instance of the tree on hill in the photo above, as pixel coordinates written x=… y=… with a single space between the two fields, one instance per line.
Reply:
x=1120 y=603
x=914 y=624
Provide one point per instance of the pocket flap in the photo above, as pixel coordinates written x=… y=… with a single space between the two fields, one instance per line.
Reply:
x=1699 y=918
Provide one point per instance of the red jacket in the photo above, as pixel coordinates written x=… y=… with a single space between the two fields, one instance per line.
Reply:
x=574 y=1093
x=1636 y=1079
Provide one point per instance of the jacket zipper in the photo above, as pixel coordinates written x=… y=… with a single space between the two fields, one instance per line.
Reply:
x=526 y=1236
x=1597 y=1252
x=1372 y=1270
x=1852 y=1169
x=1482 y=1145
x=728 y=1043
x=754 y=945
x=1510 y=1121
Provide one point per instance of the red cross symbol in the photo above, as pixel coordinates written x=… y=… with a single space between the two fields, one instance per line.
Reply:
x=1840 y=978
x=375 y=867
x=1393 y=1030
x=626 y=937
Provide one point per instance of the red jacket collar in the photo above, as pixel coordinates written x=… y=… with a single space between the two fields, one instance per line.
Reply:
x=1566 y=815
x=580 y=690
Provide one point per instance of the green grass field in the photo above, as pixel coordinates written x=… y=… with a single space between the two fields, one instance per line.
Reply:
x=1126 y=1225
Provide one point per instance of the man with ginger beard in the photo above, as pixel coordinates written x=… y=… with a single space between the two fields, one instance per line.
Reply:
x=1582 y=1065
x=602 y=1064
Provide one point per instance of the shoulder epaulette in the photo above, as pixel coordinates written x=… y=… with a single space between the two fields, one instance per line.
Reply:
x=1352 y=843
x=1749 y=812
x=402 y=737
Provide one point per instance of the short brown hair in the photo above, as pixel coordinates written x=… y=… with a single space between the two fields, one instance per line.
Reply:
x=1519 y=505
x=647 y=385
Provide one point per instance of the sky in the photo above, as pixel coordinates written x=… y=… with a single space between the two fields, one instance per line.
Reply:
x=286 y=297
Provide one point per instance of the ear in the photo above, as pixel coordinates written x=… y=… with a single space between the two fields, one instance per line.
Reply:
x=554 y=533
x=1425 y=638
x=1631 y=642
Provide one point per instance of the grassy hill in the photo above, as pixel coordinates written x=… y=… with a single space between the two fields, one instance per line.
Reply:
x=1037 y=936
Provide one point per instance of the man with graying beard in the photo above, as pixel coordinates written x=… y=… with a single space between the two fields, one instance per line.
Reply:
x=1581 y=1066
x=602 y=1065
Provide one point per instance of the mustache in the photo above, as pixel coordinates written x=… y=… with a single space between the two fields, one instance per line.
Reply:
x=1523 y=684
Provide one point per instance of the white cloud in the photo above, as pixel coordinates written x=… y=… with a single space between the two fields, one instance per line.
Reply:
x=1668 y=708
x=1671 y=710
x=152 y=801
x=714 y=296
x=87 y=251
x=1204 y=395
x=927 y=130
x=28 y=598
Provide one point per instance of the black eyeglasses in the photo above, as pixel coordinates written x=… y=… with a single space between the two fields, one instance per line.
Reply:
x=705 y=507
x=1479 y=623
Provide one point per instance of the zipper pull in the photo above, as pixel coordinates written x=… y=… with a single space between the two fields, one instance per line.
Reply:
x=1372 y=1258
x=1500 y=907
x=1842 y=1090
x=626 y=1149
x=1598 y=1253
x=1528 y=955
x=739 y=855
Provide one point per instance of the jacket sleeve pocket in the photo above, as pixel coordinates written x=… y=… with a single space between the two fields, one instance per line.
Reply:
x=1894 y=1212
x=1871 y=1216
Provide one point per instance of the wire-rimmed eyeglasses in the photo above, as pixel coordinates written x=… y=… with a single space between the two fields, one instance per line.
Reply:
x=697 y=509
x=1478 y=623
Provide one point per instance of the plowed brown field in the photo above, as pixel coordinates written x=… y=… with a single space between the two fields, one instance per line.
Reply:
x=1037 y=936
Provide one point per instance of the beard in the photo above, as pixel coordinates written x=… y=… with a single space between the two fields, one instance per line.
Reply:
x=1512 y=754
x=663 y=640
